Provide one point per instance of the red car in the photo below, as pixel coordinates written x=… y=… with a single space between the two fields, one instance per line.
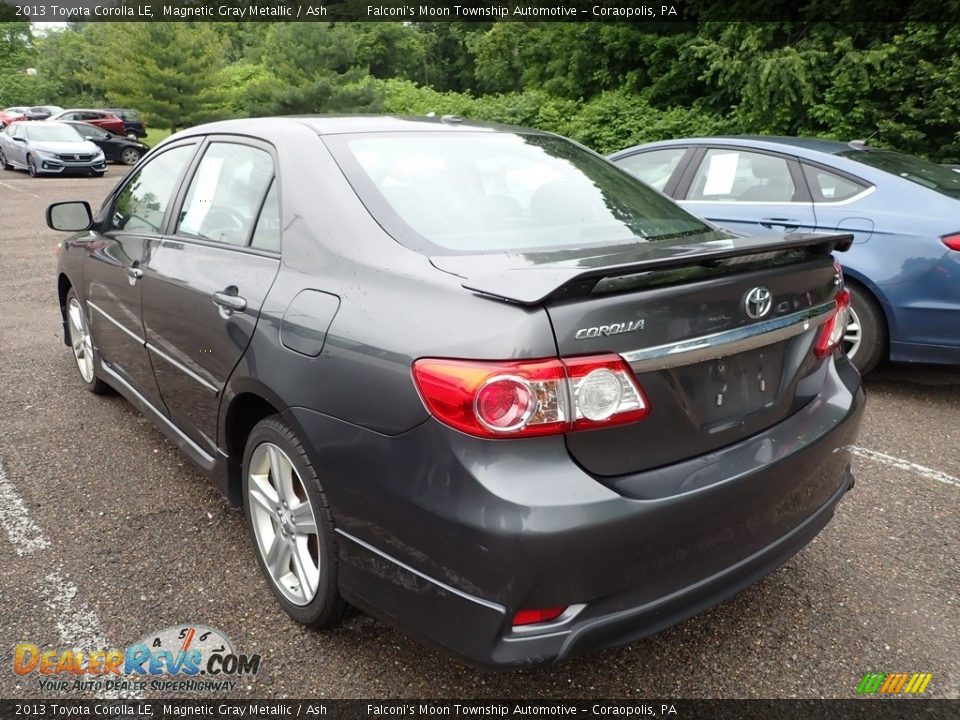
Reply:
x=100 y=118
x=11 y=114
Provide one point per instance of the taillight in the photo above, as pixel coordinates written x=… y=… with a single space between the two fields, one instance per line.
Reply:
x=833 y=330
x=537 y=397
x=530 y=617
x=952 y=242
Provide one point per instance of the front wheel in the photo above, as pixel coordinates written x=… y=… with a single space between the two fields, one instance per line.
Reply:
x=32 y=166
x=81 y=341
x=865 y=339
x=290 y=525
x=3 y=162
x=130 y=156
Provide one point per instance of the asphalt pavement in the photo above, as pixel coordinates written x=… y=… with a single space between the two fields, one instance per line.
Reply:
x=108 y=533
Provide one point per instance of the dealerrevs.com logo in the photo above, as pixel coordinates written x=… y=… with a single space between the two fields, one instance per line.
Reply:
x=186 y=658
x=894 y=683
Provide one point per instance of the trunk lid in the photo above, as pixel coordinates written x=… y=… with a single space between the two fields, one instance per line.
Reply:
x=719 y=335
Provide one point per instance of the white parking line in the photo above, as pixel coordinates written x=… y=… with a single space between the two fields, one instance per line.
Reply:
x=901 y=464
x=16 y=189
x=78 y=625
x=25 y=535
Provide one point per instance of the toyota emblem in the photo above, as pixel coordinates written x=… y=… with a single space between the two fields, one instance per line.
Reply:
x=758 y=302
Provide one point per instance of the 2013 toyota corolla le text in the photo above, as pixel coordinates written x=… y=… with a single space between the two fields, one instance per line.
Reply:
x=473 y=379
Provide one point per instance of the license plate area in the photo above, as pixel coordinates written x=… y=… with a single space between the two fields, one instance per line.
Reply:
x=728 y=391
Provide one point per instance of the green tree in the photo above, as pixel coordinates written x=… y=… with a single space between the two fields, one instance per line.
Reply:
x=311 y=68
x=168 y=71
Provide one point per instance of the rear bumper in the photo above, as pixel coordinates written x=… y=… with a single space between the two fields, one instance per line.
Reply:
x=448 y=536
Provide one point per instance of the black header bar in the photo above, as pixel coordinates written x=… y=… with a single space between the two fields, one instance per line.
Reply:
x=639 y=11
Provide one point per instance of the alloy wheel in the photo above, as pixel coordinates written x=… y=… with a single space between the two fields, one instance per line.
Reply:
x=31 y=167
x=853 y=335
x=130 y=156
x=80 y=340
x=284 y=524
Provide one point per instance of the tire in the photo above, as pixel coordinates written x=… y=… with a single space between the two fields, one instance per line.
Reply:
x=3 y=162
x=865 y=341
x=81 y=342
x=296 y=515
x=32 y=167
x=130 y=156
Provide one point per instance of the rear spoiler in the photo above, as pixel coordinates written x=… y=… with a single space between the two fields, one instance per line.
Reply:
x=533 y=285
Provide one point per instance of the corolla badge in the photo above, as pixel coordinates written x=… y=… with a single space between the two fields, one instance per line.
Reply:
x=607 y=330
x=758 y=302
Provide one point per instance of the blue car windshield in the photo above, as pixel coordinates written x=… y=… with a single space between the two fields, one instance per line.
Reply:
x=468 y=192
x=936 y=177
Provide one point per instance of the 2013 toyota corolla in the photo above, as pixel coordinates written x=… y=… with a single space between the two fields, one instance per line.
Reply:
x=474 y=379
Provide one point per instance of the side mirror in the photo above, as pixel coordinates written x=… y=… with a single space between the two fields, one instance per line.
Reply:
x=72 y=216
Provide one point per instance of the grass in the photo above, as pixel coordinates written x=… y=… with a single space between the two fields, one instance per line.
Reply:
x=155 y=135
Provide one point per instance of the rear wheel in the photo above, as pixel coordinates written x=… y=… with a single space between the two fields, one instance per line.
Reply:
x=290 y=525
x=81 y=341
x=865 y=339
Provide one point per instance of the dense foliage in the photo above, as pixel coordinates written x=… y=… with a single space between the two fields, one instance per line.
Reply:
x=607 y=85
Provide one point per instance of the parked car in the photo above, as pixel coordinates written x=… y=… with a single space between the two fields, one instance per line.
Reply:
x=904 y=267
x=100 y=118
x=474 y=379
x=116 y=148
x=42 y=112
x=11 y=114
x=49 y=149
x=133 y=125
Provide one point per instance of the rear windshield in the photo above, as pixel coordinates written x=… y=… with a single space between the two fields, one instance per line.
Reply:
x=468 y=192
x=935 y=177
x=127 y=115
x=51 y=133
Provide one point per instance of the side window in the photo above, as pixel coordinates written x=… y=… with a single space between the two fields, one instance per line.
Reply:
x=741 y=176
x=655 y=166
x=225 y=193
x=142 y=203
x=266 y=235
x=829 y=187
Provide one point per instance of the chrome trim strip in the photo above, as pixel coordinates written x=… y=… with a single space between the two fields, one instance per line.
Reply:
x=459 y=593
x=157 y=414
x=183 y=368
x=115 y=322
x=728 y=342
x=791 y=203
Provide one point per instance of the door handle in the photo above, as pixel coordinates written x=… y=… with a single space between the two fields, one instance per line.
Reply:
x=785 y=223
x=230 y=302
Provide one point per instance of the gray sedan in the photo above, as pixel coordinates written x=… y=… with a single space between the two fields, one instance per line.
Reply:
x=473 y=379
x=50 y=148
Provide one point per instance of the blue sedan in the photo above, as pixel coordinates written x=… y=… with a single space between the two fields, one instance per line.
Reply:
x=903 y=269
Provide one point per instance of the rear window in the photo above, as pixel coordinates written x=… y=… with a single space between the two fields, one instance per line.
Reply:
x=469 y=192
x=914 y=169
